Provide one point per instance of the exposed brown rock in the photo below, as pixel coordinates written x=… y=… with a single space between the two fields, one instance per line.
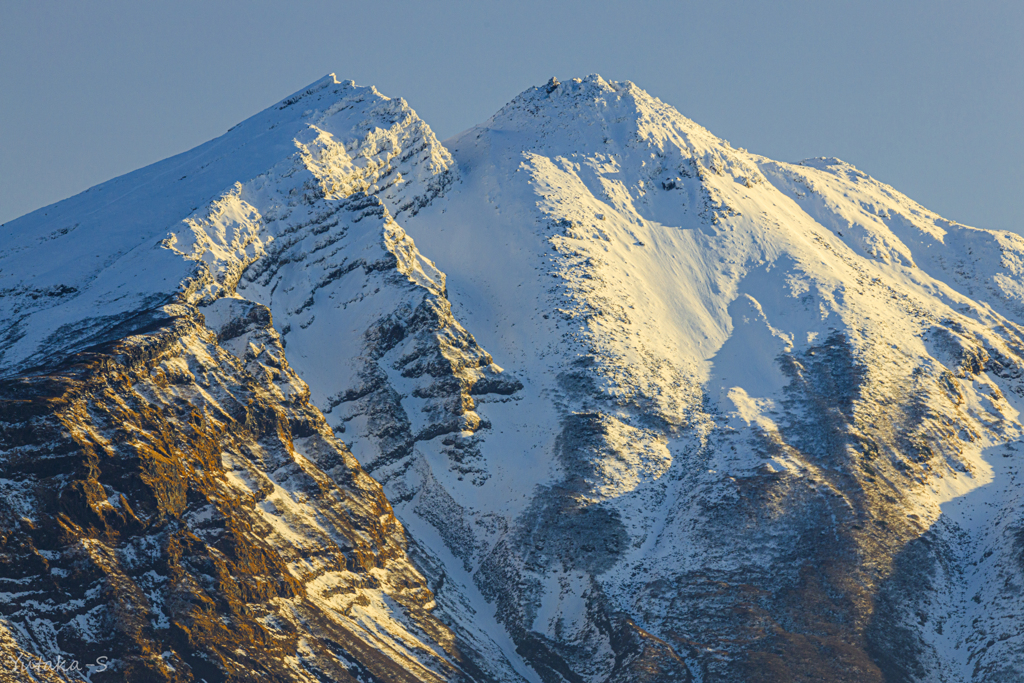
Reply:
x=170 y=520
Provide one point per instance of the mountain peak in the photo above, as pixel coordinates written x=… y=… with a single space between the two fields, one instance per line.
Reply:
x=590 y=89
x=594 y=113
x=331 y=138
x=649 y=407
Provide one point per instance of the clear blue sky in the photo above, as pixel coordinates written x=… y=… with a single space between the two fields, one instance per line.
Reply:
x=927 y=96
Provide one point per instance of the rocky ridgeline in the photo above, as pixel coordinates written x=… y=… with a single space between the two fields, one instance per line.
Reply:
x=315 y=239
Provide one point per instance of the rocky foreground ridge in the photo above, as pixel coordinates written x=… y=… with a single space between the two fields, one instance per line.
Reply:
x=654 y=409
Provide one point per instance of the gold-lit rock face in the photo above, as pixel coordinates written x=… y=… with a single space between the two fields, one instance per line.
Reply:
x=180 y=513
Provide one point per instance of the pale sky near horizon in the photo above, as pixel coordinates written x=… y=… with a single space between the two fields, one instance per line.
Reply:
x=926 y=96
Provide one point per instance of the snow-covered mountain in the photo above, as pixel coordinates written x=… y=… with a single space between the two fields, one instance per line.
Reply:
x=647 y=407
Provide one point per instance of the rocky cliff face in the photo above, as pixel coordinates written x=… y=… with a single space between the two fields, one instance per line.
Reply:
x=175 y=505
x=653 y=409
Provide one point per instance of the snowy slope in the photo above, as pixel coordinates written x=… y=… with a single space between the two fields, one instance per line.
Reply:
x=648 y=407
x=71 y=273
x=767 y=378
